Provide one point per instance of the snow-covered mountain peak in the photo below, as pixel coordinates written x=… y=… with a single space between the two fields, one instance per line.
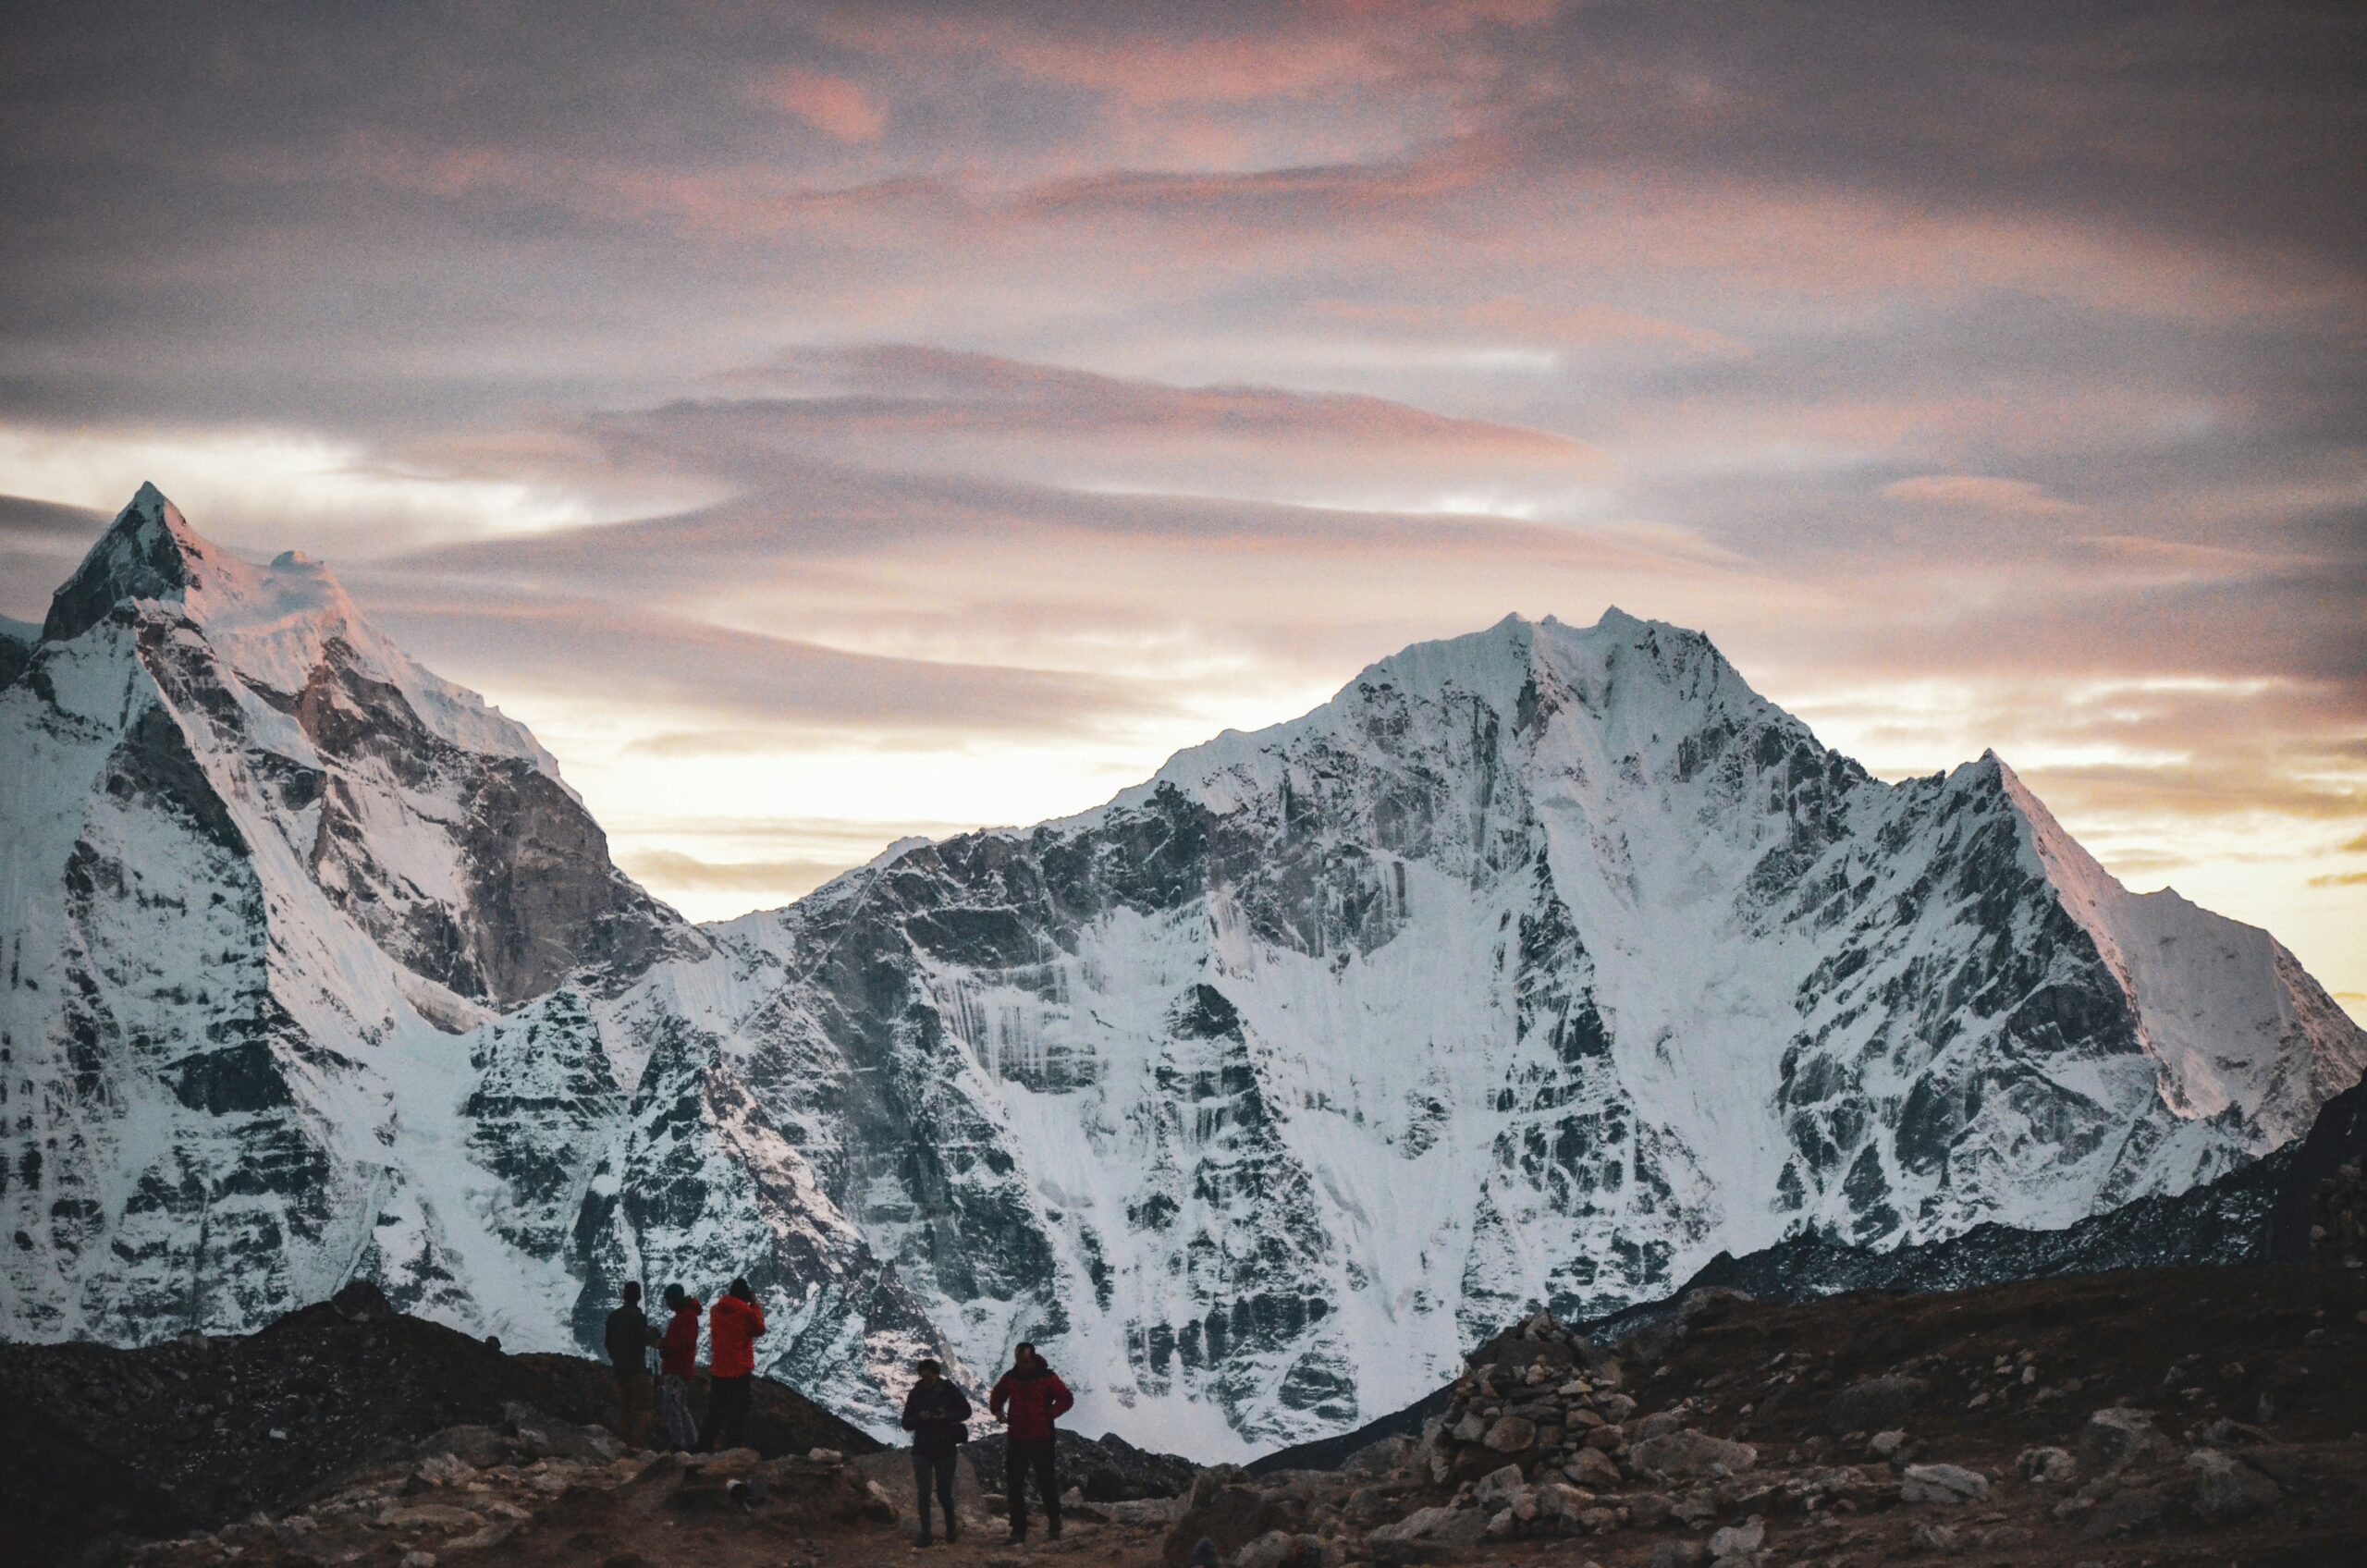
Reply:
x=283 y=630
x=1657 y=697
x=149 y=552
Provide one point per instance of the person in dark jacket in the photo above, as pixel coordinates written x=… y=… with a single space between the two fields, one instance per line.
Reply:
x=629 y=1337
x=732 y=1325
x=1029 y=1398
x=937 y=1413
x=678 y=1356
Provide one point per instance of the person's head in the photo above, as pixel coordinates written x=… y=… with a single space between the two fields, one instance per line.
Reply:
x=927 y=1370
x=673 y=1297
x=740 y=1288
x=632 y=1292
x=1025 y=1358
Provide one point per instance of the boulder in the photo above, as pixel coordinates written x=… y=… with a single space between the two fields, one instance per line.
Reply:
x=1439 y=1527
x=2047 y=1466
x=1942 y=1483
x=1512 y=1434
x=1593 y=1469
x=1560 y=1506
x=1498 y=1486
x=1280 y=1549
x=1737 y=1540
x=1225 y=1507
x=1690 y=1453
x=2116 y=1436
x=1884 y=1444
x=2227 y=1490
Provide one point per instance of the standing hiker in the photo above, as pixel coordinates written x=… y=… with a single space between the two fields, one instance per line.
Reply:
x=1030 y=1398
x=936 y=1413
x=629 y=1341
x=732 y=1325
x=677 y=1354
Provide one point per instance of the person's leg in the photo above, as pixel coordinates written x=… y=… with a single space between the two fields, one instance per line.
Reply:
x=743 y=1404
x=944 y=1463
x=714 y=1415
x=1014 y=1485
x=738 y=1396
x=921 y=1469
x=674 y=1414
x=632 y=1403
x=1048 y=1482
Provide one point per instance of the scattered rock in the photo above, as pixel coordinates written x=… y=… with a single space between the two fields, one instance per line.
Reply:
x=1690 y=1453
x=1444 y=1527
x=1885 y=1444
x=1280 y=1549
x=2227 y=1490
x=2116 y=1436
x=1942 y=1483
x=1927 y=1537
x=1737 y=1540
x=2047 y=1466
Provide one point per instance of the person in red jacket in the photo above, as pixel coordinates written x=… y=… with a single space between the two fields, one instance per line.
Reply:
x=1029 y=1398
x=677 y=1354
x=732 y=1325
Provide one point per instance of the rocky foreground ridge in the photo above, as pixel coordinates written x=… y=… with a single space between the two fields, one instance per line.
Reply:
x=1536 y=970
x=2171 y=1417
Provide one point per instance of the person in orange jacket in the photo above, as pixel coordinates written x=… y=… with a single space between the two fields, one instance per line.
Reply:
x=732 y=1325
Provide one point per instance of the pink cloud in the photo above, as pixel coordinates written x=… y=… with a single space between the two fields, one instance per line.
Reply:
x=1977 y=492
x=832 y=104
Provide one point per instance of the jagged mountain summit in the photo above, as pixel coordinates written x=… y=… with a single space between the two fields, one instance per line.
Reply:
x=1538 y=967
x=256 y=868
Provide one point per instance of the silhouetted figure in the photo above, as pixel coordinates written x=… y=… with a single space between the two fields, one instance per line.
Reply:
x=678 y=1356
x=732 y=1325
x=937 y=1413
x=629 y=1340
x=1030 y=1398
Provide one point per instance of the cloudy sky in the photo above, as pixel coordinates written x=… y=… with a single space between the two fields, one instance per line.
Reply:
x=824 y=423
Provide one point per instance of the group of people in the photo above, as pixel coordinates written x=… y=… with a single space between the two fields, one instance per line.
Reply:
x=733 y=1325
x=1028 y=1398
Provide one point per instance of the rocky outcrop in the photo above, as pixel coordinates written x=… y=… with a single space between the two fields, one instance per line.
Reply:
x=196 y=1432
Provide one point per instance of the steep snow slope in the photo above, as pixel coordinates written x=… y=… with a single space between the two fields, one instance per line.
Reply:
x=254 y=866
x=1539 y=966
